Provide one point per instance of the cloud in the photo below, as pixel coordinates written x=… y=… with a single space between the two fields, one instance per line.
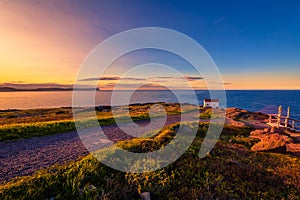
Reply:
x=108 y=85
x=189 y=78
x=130 y=86
x=134 y=79
x=153 y=86
x=116 y=78
x=107 y=78
x=217 y=83
x=193 y=78
x=150 y=83
x=164 y=77
x=34 y=85
x=113 y=78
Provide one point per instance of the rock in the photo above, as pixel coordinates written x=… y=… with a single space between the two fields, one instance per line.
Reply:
x=267 y=148
x=145 y=196
x=257 y=132
x=266 y=130
x=293 y=147
x=235 y=123
x=272 y=130
x=241 y=118
x=272 y=143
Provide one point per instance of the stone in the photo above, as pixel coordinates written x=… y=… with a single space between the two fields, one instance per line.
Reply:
x=272 y=143
x=145 y=196
x=272 y=130
x=266 y=130
x=257 y=132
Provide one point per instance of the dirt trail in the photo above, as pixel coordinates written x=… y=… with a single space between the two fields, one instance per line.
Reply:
x=24 y=157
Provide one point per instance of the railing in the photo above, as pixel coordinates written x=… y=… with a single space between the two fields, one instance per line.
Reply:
x=284 y=121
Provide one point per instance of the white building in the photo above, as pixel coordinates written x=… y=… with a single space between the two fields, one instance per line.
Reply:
x=211 y=103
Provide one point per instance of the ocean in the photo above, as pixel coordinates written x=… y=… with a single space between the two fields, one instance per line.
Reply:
x=266 y=101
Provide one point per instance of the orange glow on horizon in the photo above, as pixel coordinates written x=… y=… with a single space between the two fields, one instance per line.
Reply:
x=40 y=43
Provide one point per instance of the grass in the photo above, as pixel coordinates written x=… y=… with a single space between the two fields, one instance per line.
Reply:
x=230 y=171
x=206 y=113
x=37 y=129
x=41 y=122
x=13 y=132
x=35 y=115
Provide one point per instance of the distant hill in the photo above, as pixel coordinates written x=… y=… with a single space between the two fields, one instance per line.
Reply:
x=7 y=89
x=11 y=89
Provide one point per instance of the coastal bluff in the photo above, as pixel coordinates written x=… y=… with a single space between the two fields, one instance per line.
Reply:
x=272 y=139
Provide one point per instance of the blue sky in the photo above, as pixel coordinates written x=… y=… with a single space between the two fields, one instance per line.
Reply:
x=248 y=40
x=247 y=34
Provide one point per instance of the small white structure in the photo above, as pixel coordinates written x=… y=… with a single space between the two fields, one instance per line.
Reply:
x=211 y=103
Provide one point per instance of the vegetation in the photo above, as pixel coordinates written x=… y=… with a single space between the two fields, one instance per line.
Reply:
x=206 y=113
x=28 y=130
x=230 y=171
x=17 y=124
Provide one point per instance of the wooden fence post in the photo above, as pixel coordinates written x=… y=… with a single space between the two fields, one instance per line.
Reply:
x=279 y=115
x=286 y=122
x=293 y=125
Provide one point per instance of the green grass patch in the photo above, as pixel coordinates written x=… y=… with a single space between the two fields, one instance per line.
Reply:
x=17 y=124
x=13 y=132
x=18 y=131
x=206 y=113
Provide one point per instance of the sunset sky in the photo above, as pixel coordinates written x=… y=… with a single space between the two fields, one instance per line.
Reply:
x=255 y=44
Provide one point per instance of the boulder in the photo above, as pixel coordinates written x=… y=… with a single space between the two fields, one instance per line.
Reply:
x=257 y=132
x=272 y=143
x=266 y=130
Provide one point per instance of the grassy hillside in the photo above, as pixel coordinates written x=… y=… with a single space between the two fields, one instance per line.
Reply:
x=230 y=171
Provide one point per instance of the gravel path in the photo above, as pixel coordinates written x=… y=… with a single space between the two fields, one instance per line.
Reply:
x=24 y=157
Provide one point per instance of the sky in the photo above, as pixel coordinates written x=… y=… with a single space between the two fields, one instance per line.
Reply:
x=255 y=44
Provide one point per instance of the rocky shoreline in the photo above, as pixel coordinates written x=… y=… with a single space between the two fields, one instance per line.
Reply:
x=272 y=139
